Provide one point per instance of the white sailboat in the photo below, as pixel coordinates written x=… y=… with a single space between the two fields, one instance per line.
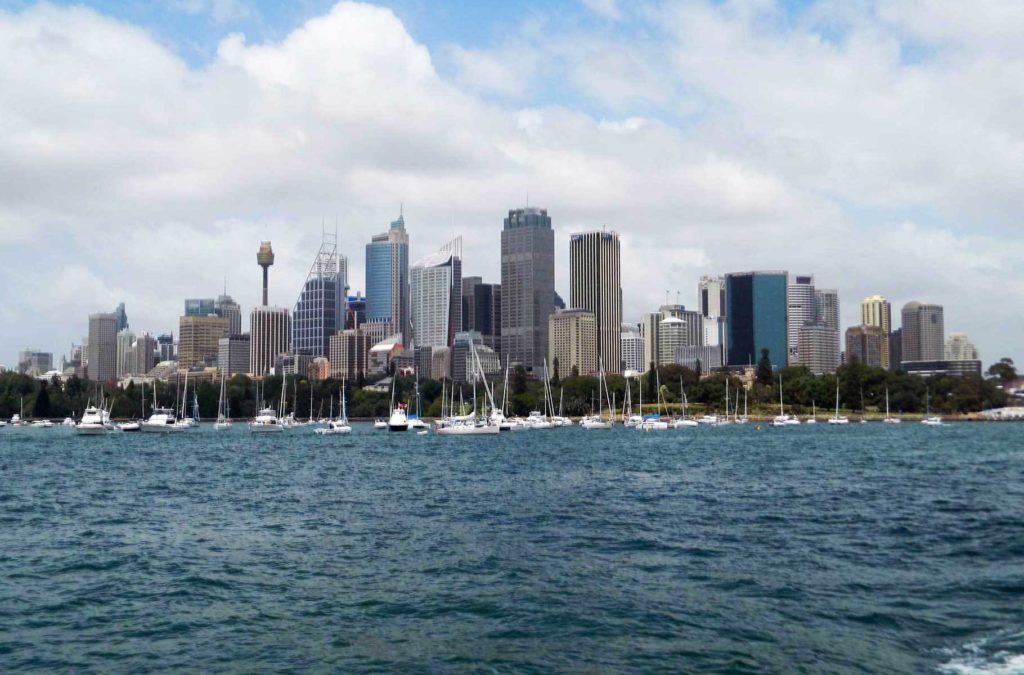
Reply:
x=415 y=422
x=888 y=419
x=340 y=425
x=598 y=421
x=474 y=425
x=684 y=421
x=653 y=422
x=930 y=420
x=836 y=419
x=782 y=419
x=223 y=419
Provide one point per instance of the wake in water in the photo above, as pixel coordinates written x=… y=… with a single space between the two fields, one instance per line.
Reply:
x=1002 y=654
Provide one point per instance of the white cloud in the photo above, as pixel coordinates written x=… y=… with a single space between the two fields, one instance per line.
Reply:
x=221 y=11
x=609 y=9
x=127 y=174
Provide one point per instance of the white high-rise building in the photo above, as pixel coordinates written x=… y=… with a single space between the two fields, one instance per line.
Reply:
x=436 y=296
x=270 y=330
x=125 y=340
x=711 y=296
x=672 y=334
x=632 y=348
x=960 y=348
x=572 y=343
x=801 y=310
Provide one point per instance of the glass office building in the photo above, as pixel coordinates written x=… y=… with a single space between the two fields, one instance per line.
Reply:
x=756 y=317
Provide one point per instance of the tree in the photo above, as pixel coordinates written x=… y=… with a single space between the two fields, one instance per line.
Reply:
x=651 y=383
x=41 y=409
x=554 y=372
x=764 y=369
x=575 y=372
x=519 y=380
x=1004 y=370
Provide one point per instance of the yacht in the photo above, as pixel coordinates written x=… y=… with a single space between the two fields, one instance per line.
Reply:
x=598 y=421
x=340 y=425
x=473 y=424
x=95 y=422
x=41 y=424
x=933 y=421
x=398 y=421
x=68 y=422
x=162 y=421
x=930 y=420
x=836 y=419
x=129 y=426
x=888 y=419
x=266 y=422
x=3 y=423
x=380 y=423
x=223 y=418
x=814 y=414
x=653 y=423
x=782 y=419
x=684 y=421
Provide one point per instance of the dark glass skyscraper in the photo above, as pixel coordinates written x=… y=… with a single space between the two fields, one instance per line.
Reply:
x=320 y=309
x=527 y=286
x=755 y=305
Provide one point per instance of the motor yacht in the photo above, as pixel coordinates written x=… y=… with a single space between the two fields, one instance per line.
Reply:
x=266 y=422
x=162 y=421
x=95 y=422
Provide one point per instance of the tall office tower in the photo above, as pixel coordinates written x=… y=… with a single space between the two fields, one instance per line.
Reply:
x=229 y=309
x=125 y=340
x=469 y=285
x=672 y=334
x=896 y=349
x=387 y=279
x=594 y=285
x=801 y=310
x=755 y=317
x=349 y=353
x=269 y=327
x=960 y=348
x=631 y=345
x=527 y=287
x=268 y=335
x=864 y=344
x=711 y=295
x=826 y=302
x=233 y=354
x=165 y=347
x=199 y=340
x=463 y=362
x=122 y=318
x=320 y=309
x=102 y=360
x=143 y=357
x=481 y=310
x=818 y=348
x=572 y=343
x=876 y=311
x=923 y=332
x=649 y=326
x=34 y=362
x=200 y=307
x=435 y=285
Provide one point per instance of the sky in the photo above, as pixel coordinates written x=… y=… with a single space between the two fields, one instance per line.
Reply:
x=147 y=147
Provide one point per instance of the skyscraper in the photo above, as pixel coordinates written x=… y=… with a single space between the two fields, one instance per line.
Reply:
x=125 y=354
x=527 y=286
x=711 y=294
x=320 y=309
x=801 y=310
x=632 y=348
x=436 y=294
x=143 y=357
x=165 y=347
x=102 y=359
x=827 y=353
x=121 y=318
x=387 y=279
x=960 y=348
x=269 y=327
x=481 y=310
x=34 y=362
x=199 y=339
x=756 y=317
x=200 y=307
x=233 y=354
x=818 y=348
x=572 y=343
x=876 y=311
x=229 y=309
x=923 y=332
x=864 y=344
x=595 y=286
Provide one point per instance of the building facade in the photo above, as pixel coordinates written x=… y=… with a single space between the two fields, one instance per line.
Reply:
x=34 y=362
x=595 y=286
x=319 y=311
x=923 y=332
x=572 y=343
x=101 y=362
x=672 y=335
x=711 y=295
x=125 y=355
x=233 y=354
x=387 y=278
x=436 y=296
x=801 y=310
x=348 y=354
x=818 y=348
x=876 y=311
x=756 y=317
x=481 y=310
x=864 y=344
x=227 y=308
x=270 y=330
x=199 y=339
x=200 y=306
x=632 y=348
x=527 y=287
x=960 y=348
x=144 y=351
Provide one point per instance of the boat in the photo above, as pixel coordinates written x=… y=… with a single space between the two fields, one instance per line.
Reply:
x=95 y=422
x=415 y=422
x=68 y=422
x=684 y=421
x=266 y=421
x=161 y=421
x=399 y=420
x=782 y=419
x=814 y=414
x=340 y=425
x=836 y=419
x=598 y=421
x=709 y=420
x=930 y=420
x=41 y=424
x=888 y=419
x=473 y=424
x=129 y=426
x=380 y=423
x=223 y=418
x=653 y=422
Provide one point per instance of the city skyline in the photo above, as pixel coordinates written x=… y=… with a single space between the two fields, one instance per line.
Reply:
x=801 y=188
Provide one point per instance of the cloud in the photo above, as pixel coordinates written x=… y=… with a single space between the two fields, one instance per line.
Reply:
x=608 y=9
x=714 y=137
x=220 y=11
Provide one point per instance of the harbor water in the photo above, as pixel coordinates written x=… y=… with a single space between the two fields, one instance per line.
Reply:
x=868 y=548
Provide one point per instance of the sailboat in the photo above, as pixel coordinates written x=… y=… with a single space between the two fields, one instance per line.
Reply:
x=782 y=419
x=414 y=420
x=399 y=421
x=161 y=420
x=930 y=420
x=340 y=425
x=888 y=419
x=598 y=421
x=653 y=422
x=223 y=420
x=814 y=413
x=684 y=421
x=475 y=424
x=836 y=419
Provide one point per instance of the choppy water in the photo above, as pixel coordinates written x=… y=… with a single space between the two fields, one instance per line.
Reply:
x=864 y=549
